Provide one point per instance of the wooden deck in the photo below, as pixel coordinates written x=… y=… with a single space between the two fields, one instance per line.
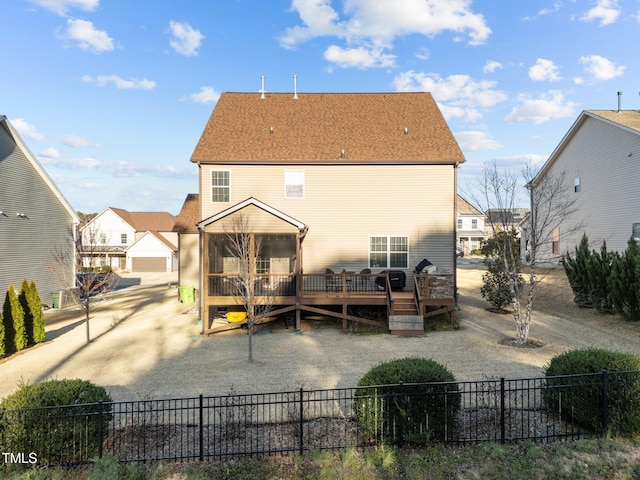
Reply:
x=324 y=294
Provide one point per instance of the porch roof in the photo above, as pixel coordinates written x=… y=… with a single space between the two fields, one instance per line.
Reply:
x=251 y=201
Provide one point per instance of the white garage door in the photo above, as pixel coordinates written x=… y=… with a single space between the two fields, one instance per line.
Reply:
x=149 y=264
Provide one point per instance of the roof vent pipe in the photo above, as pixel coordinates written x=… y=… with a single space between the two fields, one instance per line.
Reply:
x=619 y=101
x=295 y=88
x=262 y=97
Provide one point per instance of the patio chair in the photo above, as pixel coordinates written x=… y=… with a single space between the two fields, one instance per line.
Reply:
x=364 y=283
x=332 y=281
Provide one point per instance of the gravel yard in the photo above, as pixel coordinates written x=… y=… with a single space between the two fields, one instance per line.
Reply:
x=147 y=345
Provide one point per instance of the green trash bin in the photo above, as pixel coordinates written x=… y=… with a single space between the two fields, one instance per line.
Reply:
x=55 y=299
x=187 y=293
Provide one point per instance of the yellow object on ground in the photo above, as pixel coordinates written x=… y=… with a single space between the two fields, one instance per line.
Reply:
x=236 y=316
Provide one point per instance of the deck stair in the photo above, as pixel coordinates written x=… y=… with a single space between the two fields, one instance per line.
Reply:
x=405 y=320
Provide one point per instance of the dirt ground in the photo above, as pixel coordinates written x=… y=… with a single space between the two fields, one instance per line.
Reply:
x=145 y=344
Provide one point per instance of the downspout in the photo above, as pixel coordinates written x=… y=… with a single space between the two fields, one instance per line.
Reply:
x=455 y=227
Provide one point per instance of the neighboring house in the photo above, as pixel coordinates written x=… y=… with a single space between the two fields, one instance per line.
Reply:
x=339 y=188
x=470 y=226
x=504 y=218
x=598 y=159
x=132 y=241
x=36 y=222
x=189 y=242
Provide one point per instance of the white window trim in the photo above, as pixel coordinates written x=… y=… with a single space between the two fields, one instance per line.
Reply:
x=388 y=237
x=211 y=184
x=297 y=172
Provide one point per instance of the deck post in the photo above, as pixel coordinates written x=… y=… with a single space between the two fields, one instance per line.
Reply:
x=298 y=290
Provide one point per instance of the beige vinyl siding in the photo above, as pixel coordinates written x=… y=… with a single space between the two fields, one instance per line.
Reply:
x=609 y=203
x=189 y=254
x=27 y=245
x=344 y=205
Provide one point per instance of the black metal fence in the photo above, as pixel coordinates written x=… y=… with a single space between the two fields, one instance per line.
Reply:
x=219 y=427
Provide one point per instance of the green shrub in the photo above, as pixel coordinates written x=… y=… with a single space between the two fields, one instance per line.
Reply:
x=412 y=399
x=580 y=397
x=15 y=336
x=33 y=313
x=68 y=433
x=624 y=281
x=502 y=281
x=2 y=336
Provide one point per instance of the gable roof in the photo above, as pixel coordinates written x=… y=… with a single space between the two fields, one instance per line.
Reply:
x=6 y=124
x=257 y=203
x=464 y=207
x=628 y=120
x=143 y=221
x=189 y=215
x=158 y=237
x=318 y=127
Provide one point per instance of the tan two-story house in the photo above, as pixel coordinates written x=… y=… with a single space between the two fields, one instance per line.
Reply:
x=347 y=193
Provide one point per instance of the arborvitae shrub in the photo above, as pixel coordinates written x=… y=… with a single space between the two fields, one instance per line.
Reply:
x=624 y=282
x=424 y=407
x=2 y=342
x=38 y=334
x=23 y=298
x=13 y=318
x=577 y=271
x=56 y=434
x=580 y=397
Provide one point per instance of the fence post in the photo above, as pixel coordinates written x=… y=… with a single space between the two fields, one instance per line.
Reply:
x=301 y=425
x=605 y=403
x=201 y=432
x=401 y=416
x=100 y=429
x=502 y=412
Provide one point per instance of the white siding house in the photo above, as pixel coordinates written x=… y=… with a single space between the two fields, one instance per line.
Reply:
x=36 y=221
x=599 y=161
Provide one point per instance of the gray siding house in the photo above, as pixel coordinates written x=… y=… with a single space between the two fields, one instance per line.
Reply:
x=35 y=221
x=599 y=160
x=336 y=185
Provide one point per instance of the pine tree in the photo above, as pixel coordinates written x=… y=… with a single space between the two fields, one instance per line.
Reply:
x=35 y=303
x=599 y=273
x=624 y=282
x=13 y=319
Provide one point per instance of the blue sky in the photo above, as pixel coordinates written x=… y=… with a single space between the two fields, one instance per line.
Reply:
x=112 y=95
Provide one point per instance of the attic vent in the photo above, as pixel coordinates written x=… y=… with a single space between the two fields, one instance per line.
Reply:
x=406 y=130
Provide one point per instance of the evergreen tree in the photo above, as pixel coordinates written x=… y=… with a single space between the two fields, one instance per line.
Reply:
x=35 y=303
x=577 y=271
x=23 y=298
x=503 y=281
x=2 y=343
x=624 y=282
x=599 y=273
x=13 y=319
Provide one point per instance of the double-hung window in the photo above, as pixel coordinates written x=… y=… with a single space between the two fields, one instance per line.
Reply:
x=388 y=251
x=294 y=183
x=220 y=186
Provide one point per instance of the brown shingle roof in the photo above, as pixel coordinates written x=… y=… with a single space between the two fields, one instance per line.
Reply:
x=189 y=215
x=151 y=221
x=317 y=127
x=626 y=118
x=464 y=207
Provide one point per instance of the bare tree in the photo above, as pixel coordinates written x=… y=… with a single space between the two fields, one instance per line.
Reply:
x=550 y=206
x=246 y=247
x=92 y=274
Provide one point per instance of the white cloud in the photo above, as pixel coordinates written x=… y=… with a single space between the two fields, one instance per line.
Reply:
x=547 y=106
x=120 y=83
x=27 y=130
x=205 y=95
x=185 y=39
x=60 y=7
x=87 y=36
x=75 y=141
x=544 y=70
x=606 y=11
x=475 y=140
x=491 y=66
x=360 y=57
x=458 y=95
x=601 y=68
x=370 y=26
x=49 y=153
